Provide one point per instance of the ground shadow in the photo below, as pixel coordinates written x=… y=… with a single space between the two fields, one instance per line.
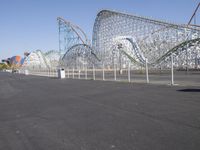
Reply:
x=189 y=90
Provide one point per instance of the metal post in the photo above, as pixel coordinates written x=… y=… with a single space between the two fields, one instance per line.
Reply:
x=73 y=73
x=86 y=72
x=103 y=73
x=129 y=72
x=147 y=70
x=93 y=73
x=79 y=74
x=68 y=72
x=172 y=69
x=115 y=74
x=186 y=60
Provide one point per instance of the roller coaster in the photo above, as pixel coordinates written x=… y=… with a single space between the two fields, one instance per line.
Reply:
x=120 y=39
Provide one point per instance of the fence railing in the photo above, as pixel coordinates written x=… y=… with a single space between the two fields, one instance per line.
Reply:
x=126 y=75
x=129 y=74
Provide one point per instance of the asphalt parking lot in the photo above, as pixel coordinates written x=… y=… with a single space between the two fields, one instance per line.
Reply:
x=40 y=113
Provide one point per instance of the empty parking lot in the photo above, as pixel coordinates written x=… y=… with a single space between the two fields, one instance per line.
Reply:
x=40 y=113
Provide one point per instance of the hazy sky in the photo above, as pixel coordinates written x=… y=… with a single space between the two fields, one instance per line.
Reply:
x=28 y=25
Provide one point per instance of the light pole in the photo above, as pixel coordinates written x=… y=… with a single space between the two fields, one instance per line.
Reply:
x=147 y=70
x=172 y=69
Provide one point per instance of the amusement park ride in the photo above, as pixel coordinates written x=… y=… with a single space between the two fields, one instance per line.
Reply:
x=120 y=39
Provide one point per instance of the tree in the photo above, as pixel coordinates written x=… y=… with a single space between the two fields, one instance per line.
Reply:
x=3 y=66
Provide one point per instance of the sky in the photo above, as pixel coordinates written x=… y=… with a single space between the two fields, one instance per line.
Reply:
x=28 y=25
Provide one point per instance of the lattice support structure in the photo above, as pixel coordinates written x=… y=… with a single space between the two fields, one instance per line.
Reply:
x=79 y=56
x=69 y=35
x=120 y=39
x=142 y=38
x=36 y=60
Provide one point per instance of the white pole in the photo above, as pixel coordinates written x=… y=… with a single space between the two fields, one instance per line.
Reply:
x=73 y=72
x=115 y=74
x=103 y=73
x=93 y=73
x=172 y=70
x=79 y=73
x=147 y=70
x=129 y=72
x=68 y=72
x=86 y=72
